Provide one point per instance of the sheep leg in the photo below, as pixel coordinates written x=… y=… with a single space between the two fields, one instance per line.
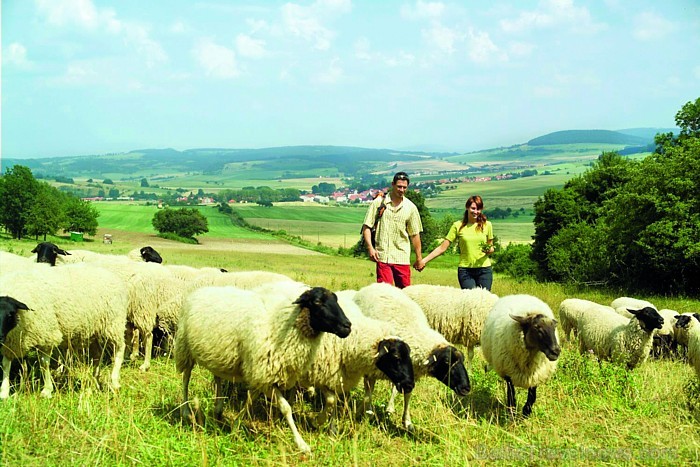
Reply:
x=219 y=405
x=367 y=400
x=531 y=398
x=390 y=405
x=286 y=410
x=45 y=359
x=5 y=386
x=147 y=348
x=185 y=411
x=407 y=423
x=328 y=412
x=119 y=349
x=510 y=394
x=132 y=338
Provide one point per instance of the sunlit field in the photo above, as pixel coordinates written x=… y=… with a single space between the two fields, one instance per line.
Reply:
x=589 y=413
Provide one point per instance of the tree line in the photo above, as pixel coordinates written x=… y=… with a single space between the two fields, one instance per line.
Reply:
x=29 y=207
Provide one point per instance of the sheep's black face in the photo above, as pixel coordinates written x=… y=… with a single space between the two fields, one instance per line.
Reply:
x=394 y=360
x=649 y=318
x=325 y=315
x=8 y=315
x=540 y=333
x=150 y=255
x=682 y=321
x=46 y=252
x=446 y=364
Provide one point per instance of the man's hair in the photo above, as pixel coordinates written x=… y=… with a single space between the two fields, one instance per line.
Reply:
x=400 y=176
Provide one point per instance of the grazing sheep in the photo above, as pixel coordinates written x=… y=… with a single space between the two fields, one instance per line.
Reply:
x=371 y=349
x=664 y=341
x=188 y=273
x=47 y=308
x=571 y=310
x=232 y=333
x=520 y=343
x=431 y=353
x=611 y=336
x=457 y=314
x=46 y=252
x=689 y=325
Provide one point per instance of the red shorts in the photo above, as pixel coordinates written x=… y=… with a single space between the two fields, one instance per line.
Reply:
x=396 y=274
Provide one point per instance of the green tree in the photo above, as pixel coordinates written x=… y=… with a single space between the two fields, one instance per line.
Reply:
x=81 y=216
x=113 y=193
x=108 y=181
x=144 y=183
x=47 y=213
x=18 y=190
x=182 y=222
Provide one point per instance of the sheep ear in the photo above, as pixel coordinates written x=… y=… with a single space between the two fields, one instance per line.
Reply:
x=520 y=319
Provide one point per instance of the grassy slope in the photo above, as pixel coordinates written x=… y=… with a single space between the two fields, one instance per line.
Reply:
x=586 y=413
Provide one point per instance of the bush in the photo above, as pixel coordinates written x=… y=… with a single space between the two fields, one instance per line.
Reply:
x=516 y=261
x=182 y=222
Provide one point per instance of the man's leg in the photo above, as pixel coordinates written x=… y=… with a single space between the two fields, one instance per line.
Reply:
x=384 y=273
x=402 y=275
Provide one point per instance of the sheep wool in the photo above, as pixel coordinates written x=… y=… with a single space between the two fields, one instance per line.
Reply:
x=572 y=309
x=503 y=345
x=58 y=314
x=457 y=314
x=621 y=304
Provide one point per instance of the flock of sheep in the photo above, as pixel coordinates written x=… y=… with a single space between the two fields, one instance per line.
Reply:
x=273 y=334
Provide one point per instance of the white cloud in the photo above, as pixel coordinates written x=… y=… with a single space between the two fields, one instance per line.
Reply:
x=442 y=37
x=401 y=59
x=303 y=22
x=179 y=27
x=364 y=52
x=80 y=74
x=650 y=26
x=249 y=47
x=16 y=54
x=84 y=15
x=423 y=10
x=553 y=13
x=482 y=49
x=217 y=60
x=332 y=74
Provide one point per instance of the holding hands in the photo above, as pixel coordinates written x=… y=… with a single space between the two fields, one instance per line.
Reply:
x=419 y=265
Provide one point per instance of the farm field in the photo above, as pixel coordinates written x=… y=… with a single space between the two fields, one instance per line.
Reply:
x=589 y=413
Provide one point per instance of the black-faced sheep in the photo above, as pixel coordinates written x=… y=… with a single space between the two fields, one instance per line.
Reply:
x=146 y=253
x=41 y=311
x=46 y=252
x=235 y=335
x=613 y=337
x=520 y=343
x=431 y=353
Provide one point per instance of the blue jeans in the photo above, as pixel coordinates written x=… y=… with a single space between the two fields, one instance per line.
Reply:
x=470 y=278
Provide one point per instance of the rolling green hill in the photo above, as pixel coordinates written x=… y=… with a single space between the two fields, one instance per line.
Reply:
x=587 y=136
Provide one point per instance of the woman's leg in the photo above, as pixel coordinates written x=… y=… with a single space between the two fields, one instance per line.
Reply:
x=465 y=278
x=484 y=277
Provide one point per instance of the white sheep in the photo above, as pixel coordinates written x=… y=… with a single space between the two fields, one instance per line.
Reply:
x=664 y=338
x=431 y=353
x=372 y=350
x=571 y=310
x=689 y=325
x=613 y=337
x=232 y=333
x=58 y=307
x=189 y=273
x=520 y=343
x=457 y=314
x=149 y=284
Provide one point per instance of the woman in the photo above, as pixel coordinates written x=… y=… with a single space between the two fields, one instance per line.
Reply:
x=475 y=240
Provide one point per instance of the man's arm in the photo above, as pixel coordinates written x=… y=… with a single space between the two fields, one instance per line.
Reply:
x=415 y=240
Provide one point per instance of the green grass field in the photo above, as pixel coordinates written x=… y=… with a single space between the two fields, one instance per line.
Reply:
x=587 y=414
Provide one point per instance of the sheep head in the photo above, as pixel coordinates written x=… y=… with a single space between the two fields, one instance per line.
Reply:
x=46 y=252
x=8 y=315
x=540 y=334
x=320 y=312
x=649 y=318
x=394 y=360
x=150 y=255
x=446 y=364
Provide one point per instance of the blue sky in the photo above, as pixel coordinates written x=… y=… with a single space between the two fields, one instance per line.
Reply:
x=103 y=76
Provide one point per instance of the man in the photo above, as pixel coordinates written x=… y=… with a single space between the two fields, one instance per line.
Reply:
x=398 y=228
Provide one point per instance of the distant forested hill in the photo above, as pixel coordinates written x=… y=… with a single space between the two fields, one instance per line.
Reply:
x=588 y=136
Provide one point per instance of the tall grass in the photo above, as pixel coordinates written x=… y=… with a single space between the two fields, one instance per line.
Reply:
x=589 y=413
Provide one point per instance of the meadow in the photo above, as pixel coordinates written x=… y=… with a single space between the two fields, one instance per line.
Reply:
x=589 y=413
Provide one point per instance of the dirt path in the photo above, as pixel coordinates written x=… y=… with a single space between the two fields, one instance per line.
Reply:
x=206 y=243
